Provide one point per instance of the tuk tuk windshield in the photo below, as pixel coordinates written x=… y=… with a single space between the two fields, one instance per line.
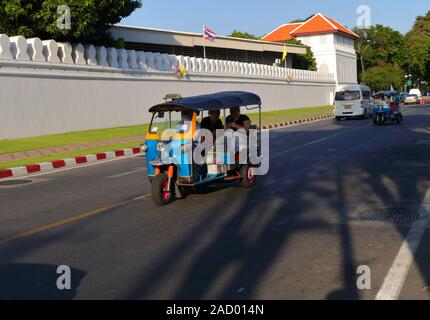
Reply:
x=176 y=120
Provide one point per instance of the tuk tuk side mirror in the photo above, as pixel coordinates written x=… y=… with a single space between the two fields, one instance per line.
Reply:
x=154 y=130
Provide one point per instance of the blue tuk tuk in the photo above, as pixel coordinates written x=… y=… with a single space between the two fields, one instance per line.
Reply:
x=169 y=156
x=386 y=107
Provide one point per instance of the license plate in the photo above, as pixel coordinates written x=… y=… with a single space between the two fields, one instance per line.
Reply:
x=348 y=107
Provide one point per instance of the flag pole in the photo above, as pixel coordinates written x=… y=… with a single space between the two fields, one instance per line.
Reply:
x=204 y=44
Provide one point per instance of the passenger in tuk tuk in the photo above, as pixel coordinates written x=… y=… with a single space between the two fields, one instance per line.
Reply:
x=213 y=121
x=237 y=121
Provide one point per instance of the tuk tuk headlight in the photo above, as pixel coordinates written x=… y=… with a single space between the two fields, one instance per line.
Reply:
x=144 y=147
x=161 y=146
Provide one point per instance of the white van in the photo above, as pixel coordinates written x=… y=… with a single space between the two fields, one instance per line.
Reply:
x=352 y=101
x=417 y=92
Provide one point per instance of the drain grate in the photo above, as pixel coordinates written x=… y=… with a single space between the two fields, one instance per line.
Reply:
x=395 y=215
x=14 y=182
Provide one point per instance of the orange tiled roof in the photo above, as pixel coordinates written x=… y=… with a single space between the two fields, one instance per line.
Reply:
x=342 y=28
x=318 y=24
x=282 y=33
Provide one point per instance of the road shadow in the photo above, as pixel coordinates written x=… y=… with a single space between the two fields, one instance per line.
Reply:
x=230 y=253
x=252 y=239
x=22 y=281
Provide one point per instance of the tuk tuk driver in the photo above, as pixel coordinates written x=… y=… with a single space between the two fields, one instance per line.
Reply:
x=237 y=121
x=186 y=120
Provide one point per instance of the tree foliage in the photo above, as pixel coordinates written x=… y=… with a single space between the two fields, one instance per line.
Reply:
x=379 y=45
x=418 y=42
x=383 y=77
x=302 y=20
x=243 y=35
x=90 y=19
x=306 y=61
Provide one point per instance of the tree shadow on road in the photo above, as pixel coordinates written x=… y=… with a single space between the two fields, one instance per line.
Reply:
x=235 y=263
x=22 y=281
x=233 y=250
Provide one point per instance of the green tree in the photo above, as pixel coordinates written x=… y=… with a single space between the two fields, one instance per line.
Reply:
x=243 y=35
x=380 y=45
x=383 y=77
x=90 y=19
x=418 y=42
x=306 y=61
x=302 y=20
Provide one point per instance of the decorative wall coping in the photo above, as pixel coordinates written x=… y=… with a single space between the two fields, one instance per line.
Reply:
x=33 y=53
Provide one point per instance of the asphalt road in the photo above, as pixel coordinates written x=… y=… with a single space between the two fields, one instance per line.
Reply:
x=299 y=234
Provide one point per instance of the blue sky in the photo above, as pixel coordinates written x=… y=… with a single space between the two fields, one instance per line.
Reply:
x=261 y=16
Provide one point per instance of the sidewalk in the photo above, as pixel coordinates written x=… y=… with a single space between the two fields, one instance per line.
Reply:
x=70 y=148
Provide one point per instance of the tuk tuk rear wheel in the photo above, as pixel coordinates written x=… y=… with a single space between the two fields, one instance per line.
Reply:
x=159 y=192
x=247 y=176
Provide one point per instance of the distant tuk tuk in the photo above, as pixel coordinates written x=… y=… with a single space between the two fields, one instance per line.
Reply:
x=173 y=137
x=386 y=107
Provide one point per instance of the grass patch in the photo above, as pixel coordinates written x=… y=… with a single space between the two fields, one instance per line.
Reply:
x=59 y=140
x=274 y=117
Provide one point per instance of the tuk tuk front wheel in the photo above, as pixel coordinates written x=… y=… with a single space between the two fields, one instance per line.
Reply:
x=159 y=192
x=398 y=119
x=247 y=176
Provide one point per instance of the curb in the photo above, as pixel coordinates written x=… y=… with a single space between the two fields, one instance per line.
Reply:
x=65 y=163
x=80 y=160
x=297 y=122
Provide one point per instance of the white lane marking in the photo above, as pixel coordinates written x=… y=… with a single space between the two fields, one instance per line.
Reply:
x=133 y=171
x=73 y=167
x=396 y=277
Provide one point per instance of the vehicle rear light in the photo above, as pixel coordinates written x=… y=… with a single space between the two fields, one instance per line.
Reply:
x=362 y=104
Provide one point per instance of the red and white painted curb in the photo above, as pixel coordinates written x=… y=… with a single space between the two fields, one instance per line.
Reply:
x=297 y=122
x=65 y=163
x=81 y=160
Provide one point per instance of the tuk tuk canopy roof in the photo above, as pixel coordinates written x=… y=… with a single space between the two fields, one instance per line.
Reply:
x=387 y=93
x=215 y=101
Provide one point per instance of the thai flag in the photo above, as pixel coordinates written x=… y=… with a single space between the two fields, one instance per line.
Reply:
x=208 y=34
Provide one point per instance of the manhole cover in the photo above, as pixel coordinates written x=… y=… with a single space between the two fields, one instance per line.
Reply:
x=14 y=182
x=394 y=215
